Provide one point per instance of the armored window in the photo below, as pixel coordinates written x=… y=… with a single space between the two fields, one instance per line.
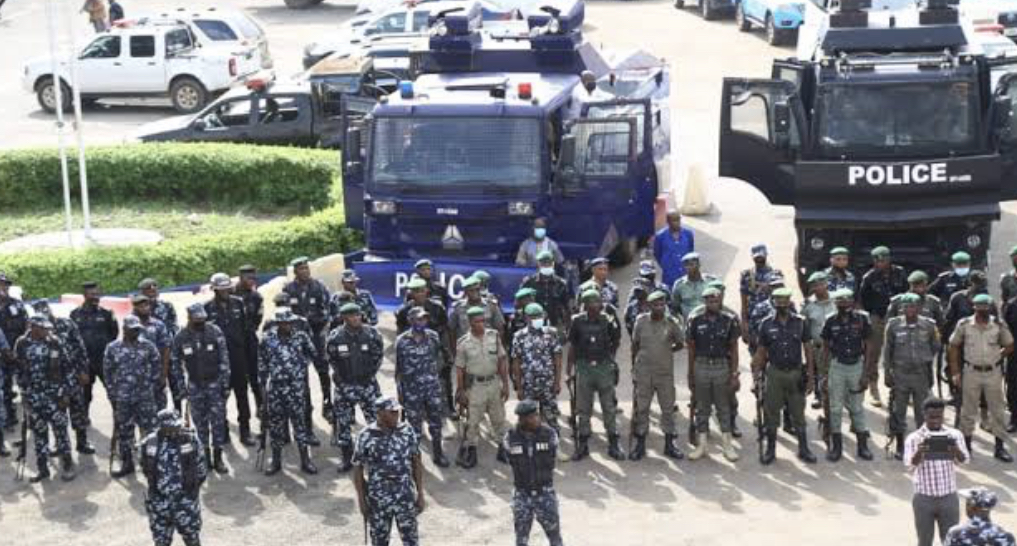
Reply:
x=142 y=47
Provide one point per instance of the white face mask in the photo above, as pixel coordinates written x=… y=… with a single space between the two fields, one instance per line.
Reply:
x=547 y=271
x=962 y=271
x=537 y=323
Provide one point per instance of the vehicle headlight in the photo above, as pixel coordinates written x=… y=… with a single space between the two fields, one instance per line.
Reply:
x=974 y=241
x=383 y=207
x=520 y=208
x=817 y=243
x=554 y=26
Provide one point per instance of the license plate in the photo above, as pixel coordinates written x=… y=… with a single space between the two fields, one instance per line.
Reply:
x=1010 y=31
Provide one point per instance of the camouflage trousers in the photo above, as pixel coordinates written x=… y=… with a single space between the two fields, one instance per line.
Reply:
x=541 y=504
x=78 y=408
x=180 y=514
x=46 y=414
x=345 y=399
x=386 y=506
x=542 y=392
x=208 y=411
x=286 y=407
x=423 y=398
x=128 y=414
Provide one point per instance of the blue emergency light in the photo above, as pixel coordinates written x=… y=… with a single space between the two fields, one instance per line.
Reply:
x=406 y=89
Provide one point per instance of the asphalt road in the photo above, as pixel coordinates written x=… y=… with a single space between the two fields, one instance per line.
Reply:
x=656 y=501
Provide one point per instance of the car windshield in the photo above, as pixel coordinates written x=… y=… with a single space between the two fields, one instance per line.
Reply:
x=434 y=152
x=217 y=31
x=904 y=119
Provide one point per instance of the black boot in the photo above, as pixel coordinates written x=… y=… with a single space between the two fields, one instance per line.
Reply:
x=471 y=457
x=582 y=448
x=770 y=454
x=735 y=431
x=312 y=439
x=502 y=455
x=67 y=472
x=306 y=466
x=84 y=447
x=1001 y=453
x=42 y=470
x=788 y=426
x=126 y=466
x=275 y=465
x=967 y=444
x=614 y=449
x=804 y=453
x=245 y=434
x=4 y=452
x=217 y=463
x=227 y=435
x=836 y=447
x=345 y=459
x=639 y=451
x=438 y=454
x=863 y=446
x=671 y=448
x=1012 y=427
x=898 y=452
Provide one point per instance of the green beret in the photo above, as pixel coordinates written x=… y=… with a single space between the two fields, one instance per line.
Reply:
x=910 y=299
x=482 y=275
x=880 y=252
x=818 y=276
x=545 y=256
x=423 y=262
x=918 y=276
x=839 y=251
x=525 y=293
x=960 y=257
x=349 y=309
x=534 y=310
x=299 y=261
x=590 y=295
x=475 y=312
x=782 y=293
x=711 y=292
x=656 y=296
x=716 y=283
x=982 y=299
x=526 y=407
x=416 y=284
x=844 y=294
x=471 y=282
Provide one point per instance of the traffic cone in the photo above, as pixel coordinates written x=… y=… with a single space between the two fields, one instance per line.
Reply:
x=695 y=202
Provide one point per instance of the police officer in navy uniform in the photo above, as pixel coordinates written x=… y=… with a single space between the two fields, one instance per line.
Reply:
x=227 y=312
x=532 y=447
x=552 y=292
x=425 y=270
x=361 y=297
x=254 y=308
x=13 y=323
x=309 y=298
x=418 y=295
x=175 y=470
x=98 y=328
x=160 y=309
x=950 y=282
x=979 y=530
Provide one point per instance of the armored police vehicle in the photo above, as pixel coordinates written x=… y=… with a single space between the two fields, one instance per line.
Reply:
x=897 y=132
x=497 y=130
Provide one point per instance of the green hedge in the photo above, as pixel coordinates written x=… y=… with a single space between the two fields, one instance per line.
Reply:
x=186 y=261
x=257 y=177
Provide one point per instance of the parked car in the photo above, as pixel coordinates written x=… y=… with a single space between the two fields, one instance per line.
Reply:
x=710 y=9
x=147 y=58
x=779 y=18
x=214 y=26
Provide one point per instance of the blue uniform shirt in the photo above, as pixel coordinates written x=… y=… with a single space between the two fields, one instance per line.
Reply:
x=669 y=252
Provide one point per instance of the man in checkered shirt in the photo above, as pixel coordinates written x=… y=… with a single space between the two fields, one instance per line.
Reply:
x=935 y=500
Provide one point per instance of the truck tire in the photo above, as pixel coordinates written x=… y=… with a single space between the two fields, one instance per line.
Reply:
x=301 y=4
x=188 y=95
x=741 y=21
x=45 y=93
x=707 y=11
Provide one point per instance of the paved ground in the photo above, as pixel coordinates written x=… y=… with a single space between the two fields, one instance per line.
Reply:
x=710 y=502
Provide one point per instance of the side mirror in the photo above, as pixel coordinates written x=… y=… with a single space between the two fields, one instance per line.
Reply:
x=200 y=124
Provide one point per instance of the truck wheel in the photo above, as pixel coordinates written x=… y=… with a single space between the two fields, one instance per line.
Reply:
x=301 y=4
x=706 y=10
x=45 y=92
x=188 y=95
x=741 y=21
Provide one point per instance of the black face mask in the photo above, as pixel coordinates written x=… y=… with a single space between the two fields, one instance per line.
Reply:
x=843 y=309
x=590 y=86
x=782 y=309
x=760 y=261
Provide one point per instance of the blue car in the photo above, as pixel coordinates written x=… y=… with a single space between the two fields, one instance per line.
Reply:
x=710 y=9
x=780 y=18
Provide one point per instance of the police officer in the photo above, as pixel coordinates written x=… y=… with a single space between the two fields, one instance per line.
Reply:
x=309 y=298
x=156 y=331
x=929 y=305
x=485 y=288
x=481 y=383
x=518 y=320
x=838 y=275
x=14 y=324
x=1008 y=280
x=389 y=477
x=70 y=340
x=161 y=310
x=354 y=352
x=817 y=308
x=418 y=296
x=599 y=271
x=418 y=357
x=782 y=337
x=425 y=270
x=687 y=292
x=752 y=282
x=200 y=350
x=844 y=341
x=459 y=323
x=879 y=284
x=648 y=278
x=532 y=448
x=254 y=311
x=984 y=342
x=536 y=362
x=655 y=338
x=637 y=304
x=594 y=339
x=760 y=311
x=552 y=291
x=361 y=297
x=173 y=465
x=5 y=354
x=1009 y=315
x=132 y=368
x=46 y=378
x=712 y=340
x=98 y=328
x=912 y=341
x=285 y=354
x=979 y=529
x=227 y=312
x=950 y=282
x=961 y=303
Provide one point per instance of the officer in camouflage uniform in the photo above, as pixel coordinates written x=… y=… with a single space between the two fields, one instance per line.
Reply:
x=599 y=271
x=361 y=297
x=839 y=276
x=929 y=306
x=173 y=465
x=227 y=312
x=979 y=529
x=752 y=282
x=389 y=477
x=482 y=383
x=98 y=328
x=518 y=320
x=647 y=279
x=161 y=310
x=459 y=323
x=782 y=336
x=655 y=339
x=254 y=311
x=14 y=324
x=594 y=339
x=687 y=292
x=167 y=315
x=911 y=342
x=418 y=357
x=354 y=352
x=637 y=304
x=200 y=350
x=532 y=447
x=552 y=291
x=844 y=338
x=437 y=321
x=536 y=363
x=156 y=332
x=70 y=339
x=285 y=354
x=712 y=340
x=309 y=298
x=132 y=369
x=46 y=378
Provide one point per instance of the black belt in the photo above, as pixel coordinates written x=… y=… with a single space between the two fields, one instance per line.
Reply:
x=978 y=368
x=856 y=360
x=483 y=378
x=712 y=360
x=788 y=367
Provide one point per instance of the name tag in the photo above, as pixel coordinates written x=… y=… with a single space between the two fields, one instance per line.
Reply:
x=188 y=351
x=294 y=301
x=151 y=450
x=343 y=348
x=14 y=310
x=100 y=319
x=593 y=339
x=363 y=347
x=186 y=448
x=210 y=347
x=543 y=446
x=313 y=301
x=516 y=450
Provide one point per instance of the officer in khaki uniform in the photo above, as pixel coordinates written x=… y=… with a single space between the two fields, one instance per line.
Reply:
x=844 y=342
x=817 y=308
x=655 y=339
x=984 y=342
x=713 y=370
x=911 y=342
x=482 y=383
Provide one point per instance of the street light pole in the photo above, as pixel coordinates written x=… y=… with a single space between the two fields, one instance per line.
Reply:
x=59 y=103
x=79 y=128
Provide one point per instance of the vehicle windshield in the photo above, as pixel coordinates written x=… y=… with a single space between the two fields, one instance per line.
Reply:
x=903 y=119
x=439 y=152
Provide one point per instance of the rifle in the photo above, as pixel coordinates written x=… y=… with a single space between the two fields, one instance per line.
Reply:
x=757 y=391
x=22 y=460
x=693 y=437
x=570 y=383
x=632 y=421
x=259 y=463
x=114 y=453
x=890 y=439
x=824 y=420
x=939 y=373
x=464 y=426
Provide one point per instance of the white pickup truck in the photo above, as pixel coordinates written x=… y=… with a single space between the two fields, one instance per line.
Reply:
x=148 y=58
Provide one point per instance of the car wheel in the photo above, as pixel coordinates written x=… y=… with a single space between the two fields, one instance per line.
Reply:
x=679 y=4
x=740 y=20
x=772 y=33
x=188 y=95
x=706 y=10
x=301 y=4
x=45 y=92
